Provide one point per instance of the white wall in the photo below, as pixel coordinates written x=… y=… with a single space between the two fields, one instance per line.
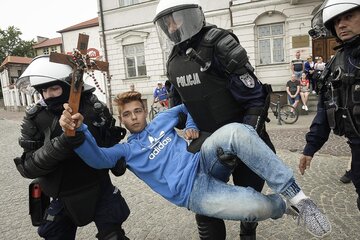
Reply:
x=70 y=42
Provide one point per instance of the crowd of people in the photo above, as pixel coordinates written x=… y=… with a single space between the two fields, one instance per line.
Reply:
x=227 y=131
x=303 y=80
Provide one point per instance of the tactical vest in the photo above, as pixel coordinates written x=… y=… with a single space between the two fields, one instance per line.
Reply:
x=73 y=174
x=204 y=93
x=342 y=98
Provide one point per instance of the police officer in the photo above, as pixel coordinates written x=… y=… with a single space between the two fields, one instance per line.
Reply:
x=211 y=73
x=339 y=84
x=79 y=193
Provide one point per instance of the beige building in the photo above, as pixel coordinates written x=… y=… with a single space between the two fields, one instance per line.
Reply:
x=45 y=46
x=271 y=31
x=10 y=70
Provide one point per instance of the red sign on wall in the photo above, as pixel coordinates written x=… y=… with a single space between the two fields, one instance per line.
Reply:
x=93 y=53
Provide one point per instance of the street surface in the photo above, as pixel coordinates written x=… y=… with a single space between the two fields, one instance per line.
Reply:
x=154 y=218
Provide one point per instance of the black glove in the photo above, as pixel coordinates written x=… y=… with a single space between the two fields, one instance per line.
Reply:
x=71 y=142
x=118 y=133
x=119 y=168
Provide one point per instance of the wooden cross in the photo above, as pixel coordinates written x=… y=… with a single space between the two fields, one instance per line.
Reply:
x=80 y=63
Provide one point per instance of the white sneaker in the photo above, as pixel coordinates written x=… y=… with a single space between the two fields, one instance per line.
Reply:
x=313 y=92
x=315 y=222
x=302 y=107
x=306 y=108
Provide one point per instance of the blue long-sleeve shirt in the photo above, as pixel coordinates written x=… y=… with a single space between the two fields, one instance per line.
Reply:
x=157 y=155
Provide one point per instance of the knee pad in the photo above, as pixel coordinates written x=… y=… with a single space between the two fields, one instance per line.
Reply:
x=114 y=233
x=210 y=228
x=229 y=160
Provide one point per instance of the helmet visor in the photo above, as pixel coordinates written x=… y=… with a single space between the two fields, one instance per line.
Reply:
x=317 y=25
x=322 y=22
x=23 y=84
x=41 y=71
x=181 y=25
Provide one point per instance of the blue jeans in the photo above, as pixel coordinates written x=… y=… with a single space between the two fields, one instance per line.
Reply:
x=298 y=74
x=292 y=100
x=212 y=196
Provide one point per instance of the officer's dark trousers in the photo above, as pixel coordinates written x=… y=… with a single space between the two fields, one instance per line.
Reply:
x=355 y=163
x=111 y=212
x=213 y=228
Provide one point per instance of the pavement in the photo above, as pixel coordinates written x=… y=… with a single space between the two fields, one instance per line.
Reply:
x=152 y=217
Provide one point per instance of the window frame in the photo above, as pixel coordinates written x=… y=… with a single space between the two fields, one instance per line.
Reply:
x=124 y=3
x=54 y=49
x=46 y=51
x=135 y=57
x=271 y=38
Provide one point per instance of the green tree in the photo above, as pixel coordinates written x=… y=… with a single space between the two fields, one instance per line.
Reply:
x=12 y=45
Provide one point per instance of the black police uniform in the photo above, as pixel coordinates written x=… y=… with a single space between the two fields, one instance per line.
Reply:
x=80 y=194
x=339 y=105
x=226 y=92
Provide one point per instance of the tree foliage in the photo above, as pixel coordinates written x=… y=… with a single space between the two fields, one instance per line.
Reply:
x=12 y=45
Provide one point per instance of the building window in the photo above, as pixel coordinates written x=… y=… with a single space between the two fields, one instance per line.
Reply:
x=46 y=51
x=135 y=60
x=53 y=49
x=128 y=2
x=271 y=43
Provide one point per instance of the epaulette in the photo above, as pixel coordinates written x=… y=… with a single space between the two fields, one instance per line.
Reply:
x=213 y=35
x=33 y=109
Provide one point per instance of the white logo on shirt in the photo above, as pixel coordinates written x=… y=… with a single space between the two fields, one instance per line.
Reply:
x=157 y=145
x=153 y=140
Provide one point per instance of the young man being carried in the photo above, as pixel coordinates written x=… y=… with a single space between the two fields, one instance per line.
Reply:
x=158 y=156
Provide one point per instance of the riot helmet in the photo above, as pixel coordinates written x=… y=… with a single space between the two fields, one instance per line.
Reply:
x=41 y=73
x=178 y=20
x=323 y=20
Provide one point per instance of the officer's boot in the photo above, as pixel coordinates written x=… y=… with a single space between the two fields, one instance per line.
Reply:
x=210 y=228
x=113 y=233
x=248 y=230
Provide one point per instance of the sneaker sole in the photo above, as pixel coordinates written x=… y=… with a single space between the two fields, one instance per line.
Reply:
x=322 y=236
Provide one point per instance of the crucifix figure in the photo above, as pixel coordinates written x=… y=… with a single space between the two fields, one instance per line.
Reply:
x=80 y=62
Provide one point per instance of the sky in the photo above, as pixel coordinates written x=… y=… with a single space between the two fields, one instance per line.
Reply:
x=44 y=17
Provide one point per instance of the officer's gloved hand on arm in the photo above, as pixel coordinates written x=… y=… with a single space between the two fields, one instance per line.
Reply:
x=70 y=122
x=118 y=133
x=71 y=142
x=119 y=168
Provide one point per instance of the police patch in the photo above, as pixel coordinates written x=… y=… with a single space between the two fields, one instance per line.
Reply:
x=248 y=80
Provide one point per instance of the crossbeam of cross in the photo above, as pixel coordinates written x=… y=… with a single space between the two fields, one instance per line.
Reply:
x=80 y=62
